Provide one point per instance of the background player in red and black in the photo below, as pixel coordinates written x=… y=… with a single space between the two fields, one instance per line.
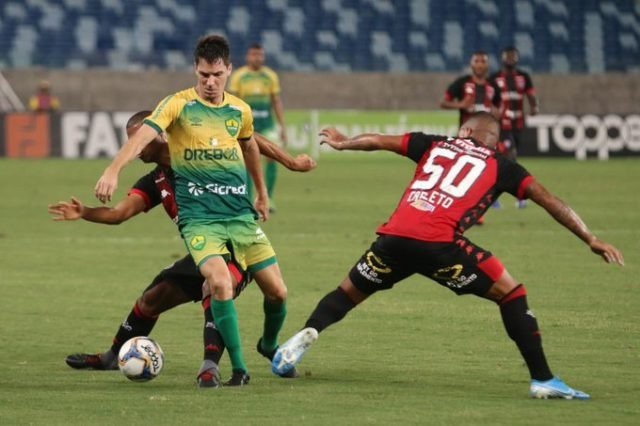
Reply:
x=514 y=85
x=178 y=283
x=473 y=92
x=454 y=182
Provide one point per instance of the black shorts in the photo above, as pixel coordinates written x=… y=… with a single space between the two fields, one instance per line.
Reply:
x=461 y=266
x=185 y=275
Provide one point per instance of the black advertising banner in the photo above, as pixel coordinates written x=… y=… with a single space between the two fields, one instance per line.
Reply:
x=587 y=136
x=101 y=134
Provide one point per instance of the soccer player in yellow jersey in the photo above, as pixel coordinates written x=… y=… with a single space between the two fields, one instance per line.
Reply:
x=259 y=86
x=211 y=145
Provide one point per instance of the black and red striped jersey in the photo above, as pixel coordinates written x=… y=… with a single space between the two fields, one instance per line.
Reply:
x=455 y=182
x=484 y=95
x=513 y=87
x=156 y=187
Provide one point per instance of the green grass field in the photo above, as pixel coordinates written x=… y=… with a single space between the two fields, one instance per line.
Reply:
x=415 y=355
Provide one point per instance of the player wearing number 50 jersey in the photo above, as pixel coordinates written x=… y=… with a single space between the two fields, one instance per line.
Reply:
x=454 y=183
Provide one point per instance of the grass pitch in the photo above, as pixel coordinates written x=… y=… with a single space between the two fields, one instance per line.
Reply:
x=415 y=355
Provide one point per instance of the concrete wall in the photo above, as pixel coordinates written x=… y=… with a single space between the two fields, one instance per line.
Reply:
x=110 y=90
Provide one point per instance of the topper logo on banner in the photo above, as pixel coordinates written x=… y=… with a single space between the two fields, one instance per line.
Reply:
x=587 y=134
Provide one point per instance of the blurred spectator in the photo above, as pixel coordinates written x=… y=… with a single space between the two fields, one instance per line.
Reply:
x=43 y=100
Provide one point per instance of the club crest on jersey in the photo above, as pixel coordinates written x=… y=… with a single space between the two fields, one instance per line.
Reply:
x=232 y=126
x=198 y=242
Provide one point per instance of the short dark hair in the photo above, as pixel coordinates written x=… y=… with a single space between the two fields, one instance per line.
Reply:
x=212 y=48
x=480 y=52
x=255 y=46
x=510 y=49
x=137 y=118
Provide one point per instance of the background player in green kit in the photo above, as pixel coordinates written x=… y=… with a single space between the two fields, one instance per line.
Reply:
x=211 y=145
x=259 y=86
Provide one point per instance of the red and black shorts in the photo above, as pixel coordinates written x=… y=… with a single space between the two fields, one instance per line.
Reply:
x=185 y=275
x=461 y=266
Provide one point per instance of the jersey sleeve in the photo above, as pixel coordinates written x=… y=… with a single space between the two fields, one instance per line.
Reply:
x=234 y=83
x=247 y=124
x=455 y=90
x=165 y=113
x=497 y=94
x=414 y=145
x=512 y=177
x=275 y=83
x=528 y=84
x=146 y=188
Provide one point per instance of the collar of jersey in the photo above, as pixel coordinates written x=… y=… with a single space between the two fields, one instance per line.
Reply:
x=225 y=99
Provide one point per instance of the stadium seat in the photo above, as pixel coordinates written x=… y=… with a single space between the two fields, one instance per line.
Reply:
x=328 y=35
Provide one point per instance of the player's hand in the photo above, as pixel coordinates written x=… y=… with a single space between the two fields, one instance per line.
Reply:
x=332 y=137
x=609 y=253
x=106 y=186
x=66 y=211
x=262 y=207
x=534 y=111
x=303 y=163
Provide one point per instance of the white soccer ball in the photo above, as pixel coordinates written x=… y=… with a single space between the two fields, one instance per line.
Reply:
x=140 y=359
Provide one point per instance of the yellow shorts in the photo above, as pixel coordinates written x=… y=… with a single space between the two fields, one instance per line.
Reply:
x=250 y=245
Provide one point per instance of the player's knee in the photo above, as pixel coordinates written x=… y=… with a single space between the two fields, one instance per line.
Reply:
x=220 y=288
x=277 y=294
x=149 y=303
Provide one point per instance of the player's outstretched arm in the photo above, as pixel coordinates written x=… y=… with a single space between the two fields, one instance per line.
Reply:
x=251 y=155
x=276 y=101
x=108 y=182
x=465 y=103
x=561 y=212
x=364 y=142
x=74 y=210
x=301 y=163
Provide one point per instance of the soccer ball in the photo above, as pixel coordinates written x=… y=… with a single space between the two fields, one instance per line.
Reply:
x=140 y=359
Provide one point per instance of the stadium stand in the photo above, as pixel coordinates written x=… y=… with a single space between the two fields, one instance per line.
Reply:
x=571 y=36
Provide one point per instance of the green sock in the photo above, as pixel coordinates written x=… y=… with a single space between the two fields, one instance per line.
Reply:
x=270 y=174
x=274 y=315
x=224 y=314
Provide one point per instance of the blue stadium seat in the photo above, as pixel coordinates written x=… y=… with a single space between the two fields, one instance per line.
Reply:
x=338 y=35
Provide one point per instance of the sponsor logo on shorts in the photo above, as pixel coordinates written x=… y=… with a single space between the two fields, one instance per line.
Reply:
x=198 y=242
x=450 y=272
x=232 y=126
x=372 y=267
x=453 y=276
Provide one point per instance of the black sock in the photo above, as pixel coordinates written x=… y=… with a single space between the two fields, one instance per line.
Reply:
x=522 y=328
x=331 y=309
x=136 y=324
x=213 y=343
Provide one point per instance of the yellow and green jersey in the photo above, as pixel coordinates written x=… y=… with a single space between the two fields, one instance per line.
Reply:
x=257 y=88
x=206 y=158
